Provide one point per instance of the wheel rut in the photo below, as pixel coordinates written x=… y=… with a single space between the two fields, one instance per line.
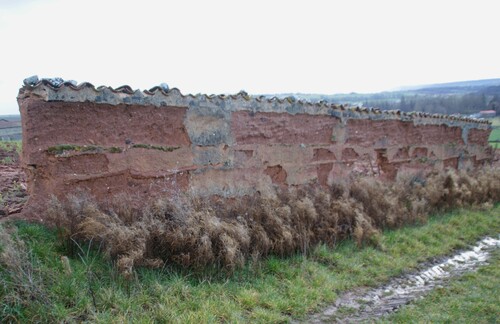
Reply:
x=368 y=304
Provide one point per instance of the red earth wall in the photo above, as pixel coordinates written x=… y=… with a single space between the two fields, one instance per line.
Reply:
x=144 y=145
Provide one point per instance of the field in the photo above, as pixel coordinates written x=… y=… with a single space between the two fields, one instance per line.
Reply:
x=494 y=138
x=10 y=128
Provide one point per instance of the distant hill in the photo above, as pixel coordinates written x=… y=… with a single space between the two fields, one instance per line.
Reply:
x=11 y=117
x=464 y=97
x=10 y=127
x=460 y=85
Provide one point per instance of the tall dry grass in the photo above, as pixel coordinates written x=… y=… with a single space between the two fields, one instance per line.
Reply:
x=190 y=232
x=20 y=279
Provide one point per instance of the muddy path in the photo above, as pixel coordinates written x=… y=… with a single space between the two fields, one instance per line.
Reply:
x=369 y=304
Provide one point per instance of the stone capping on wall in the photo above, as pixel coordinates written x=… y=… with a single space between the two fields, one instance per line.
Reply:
x=67 y=91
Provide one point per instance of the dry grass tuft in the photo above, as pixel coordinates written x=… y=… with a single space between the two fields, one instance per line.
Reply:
x=186 y=231
x=20 y=281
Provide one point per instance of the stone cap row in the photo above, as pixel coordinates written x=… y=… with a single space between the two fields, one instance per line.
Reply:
x=57 y=89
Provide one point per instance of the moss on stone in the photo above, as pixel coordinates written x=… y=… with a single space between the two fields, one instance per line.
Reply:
x=115 y=149
x=61 y=148
x=156 y=147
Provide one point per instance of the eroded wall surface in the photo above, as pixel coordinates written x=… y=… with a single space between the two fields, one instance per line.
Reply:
x=152 y=143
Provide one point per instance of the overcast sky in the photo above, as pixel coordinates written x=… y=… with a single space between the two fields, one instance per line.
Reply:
x=223 y=46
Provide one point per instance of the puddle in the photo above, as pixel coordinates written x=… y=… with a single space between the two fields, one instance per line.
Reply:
x=362 y=305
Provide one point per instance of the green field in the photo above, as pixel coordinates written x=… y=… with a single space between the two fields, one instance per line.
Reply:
x=10 y=127
x=494 y=138
x=37 y=285
x=495 y=135
x=10 y=134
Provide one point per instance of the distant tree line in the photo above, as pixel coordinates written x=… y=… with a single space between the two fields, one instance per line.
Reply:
x=442 y=101
x=465 y=100
x=444 y=104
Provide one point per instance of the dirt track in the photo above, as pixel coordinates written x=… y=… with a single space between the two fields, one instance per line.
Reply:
x=367 y=305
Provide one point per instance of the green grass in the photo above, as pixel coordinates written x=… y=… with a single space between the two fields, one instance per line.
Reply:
x=495 y=132
x=472 y=298
x=274 y=290
x=494 y=138
x=11 y=145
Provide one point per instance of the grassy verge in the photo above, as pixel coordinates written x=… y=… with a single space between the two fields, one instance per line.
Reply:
x=36 y=283
x=472 y=298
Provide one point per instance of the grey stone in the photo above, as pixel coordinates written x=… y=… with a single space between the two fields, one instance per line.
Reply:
x=164 y=86
x=32 y=80
x=55 y=82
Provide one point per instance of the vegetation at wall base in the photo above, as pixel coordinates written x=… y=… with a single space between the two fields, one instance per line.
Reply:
x=41 y=279
x=194 y=232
